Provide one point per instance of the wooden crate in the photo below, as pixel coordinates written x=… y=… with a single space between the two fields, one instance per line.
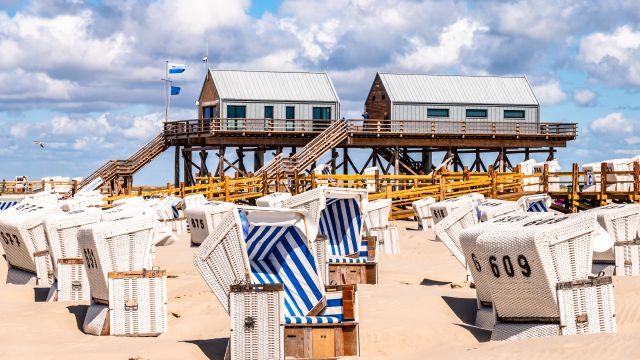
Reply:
x=321 y=341
x=347 y=274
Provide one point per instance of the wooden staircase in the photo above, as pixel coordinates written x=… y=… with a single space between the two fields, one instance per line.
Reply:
x=331 y=137
x=114 y=170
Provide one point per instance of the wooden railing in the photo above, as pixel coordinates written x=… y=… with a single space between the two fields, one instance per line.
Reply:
x=205 y=127
x=572 y=190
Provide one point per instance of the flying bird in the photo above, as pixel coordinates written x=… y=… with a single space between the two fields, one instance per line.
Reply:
x=39 y=143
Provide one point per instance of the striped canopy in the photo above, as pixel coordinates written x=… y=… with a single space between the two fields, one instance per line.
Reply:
x=341 y=222
x=4 y=205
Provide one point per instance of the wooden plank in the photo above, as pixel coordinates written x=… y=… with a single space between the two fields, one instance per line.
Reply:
x=323 y=343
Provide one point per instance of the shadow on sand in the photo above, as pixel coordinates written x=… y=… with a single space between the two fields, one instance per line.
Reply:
x=429 y=282
x=80 y=312
x=465 y=309
x=40 y=294
x=213 y=348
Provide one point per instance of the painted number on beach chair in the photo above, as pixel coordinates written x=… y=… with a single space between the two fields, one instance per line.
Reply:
x=507 y=265
x=28 y=207
x=197 y=223
x=10 y=239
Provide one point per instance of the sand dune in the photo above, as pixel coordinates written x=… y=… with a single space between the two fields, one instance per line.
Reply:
x=414 y=313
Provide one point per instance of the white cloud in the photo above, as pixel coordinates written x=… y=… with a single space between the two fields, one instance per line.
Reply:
x=539 y=20
x=144 y=127
x=453 y=39
x=585 y=97
x=614 y=123
x=632 y=140
x=613 y=56
x=549 y=93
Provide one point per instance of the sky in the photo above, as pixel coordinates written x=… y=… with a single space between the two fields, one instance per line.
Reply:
x=84 y=76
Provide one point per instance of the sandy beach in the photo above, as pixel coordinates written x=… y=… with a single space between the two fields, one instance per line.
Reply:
x=421 y=309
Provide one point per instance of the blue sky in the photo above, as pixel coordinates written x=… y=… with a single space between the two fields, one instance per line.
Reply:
x=83 y=76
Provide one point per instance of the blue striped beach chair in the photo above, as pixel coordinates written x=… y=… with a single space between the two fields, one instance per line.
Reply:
x=4 y=205
x=535 y=203
x=349 y=257
x=260 y=264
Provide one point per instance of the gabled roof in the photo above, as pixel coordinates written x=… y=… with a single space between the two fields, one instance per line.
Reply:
x=456 y=89
x=273 y=86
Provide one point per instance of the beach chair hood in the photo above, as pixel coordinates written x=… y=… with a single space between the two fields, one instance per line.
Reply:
x=263 y=246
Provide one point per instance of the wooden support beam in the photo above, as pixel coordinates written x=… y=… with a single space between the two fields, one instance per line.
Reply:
x=575 y=176
x=176 y=167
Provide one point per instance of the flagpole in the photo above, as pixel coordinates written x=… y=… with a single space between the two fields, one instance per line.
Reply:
x=166 y=91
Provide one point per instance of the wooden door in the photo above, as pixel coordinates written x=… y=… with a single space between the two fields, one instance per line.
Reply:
x=323 y=343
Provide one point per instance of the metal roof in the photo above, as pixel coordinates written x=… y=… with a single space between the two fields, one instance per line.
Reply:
x=456 y=89
x=274 y=86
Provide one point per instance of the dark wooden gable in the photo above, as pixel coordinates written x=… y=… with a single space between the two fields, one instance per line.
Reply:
x=378 y=105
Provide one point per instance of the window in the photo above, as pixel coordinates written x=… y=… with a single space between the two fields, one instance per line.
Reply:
x=373 y=98
x=514 y=114
x=383 y=97
x=437 y=112
x=235 y=113
x=268 y=112
x=476 y=113
x=290 y=115
x=321 y=113
x=208 y=112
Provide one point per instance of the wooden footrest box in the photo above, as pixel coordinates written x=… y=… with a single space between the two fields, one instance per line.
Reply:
x=348 y=274
x=321 y=341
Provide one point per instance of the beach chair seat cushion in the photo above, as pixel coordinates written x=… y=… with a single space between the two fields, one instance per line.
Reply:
x=346 y=260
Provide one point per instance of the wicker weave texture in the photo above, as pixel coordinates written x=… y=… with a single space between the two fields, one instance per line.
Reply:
x=387 y=238
x=273 y=200
x=62 y=231
x=493 y=208
x=376 y=214
x=95 y=319
x=138 y=306
x=72 y=283
x=627 y=259
x=528 y=260
x=510 y=331
x=423 y=213
x=22 y=235
x=449 y=228
x=222 y=258
x=202 y=219
x=485 y=318
x=587 y=310
x=478 y=264
x=256 y=325
x=122 y=245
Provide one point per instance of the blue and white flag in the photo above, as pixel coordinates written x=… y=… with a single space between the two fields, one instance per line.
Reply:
x=175 y=90
x=176 y=68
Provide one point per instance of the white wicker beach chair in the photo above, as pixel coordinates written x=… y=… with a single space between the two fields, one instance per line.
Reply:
x=259 y=263
x=492 y=208
x=485 y=317
x=539 y=279
x=350 y=258
x=423 y=213
x=25 y=243
x=82 y=200
x=526 y=168
x=535 y=203
x=442 y=209
x=371 y=183
x=621 y=224
x=128 y=297
x=592 y=178
x=449 y=227
x=6 y=204
x=61 y=229
x=193 y=200
x=619 y=182
x=273 y=200
x=554 y=180
x=203 y=219
x=376 y=220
